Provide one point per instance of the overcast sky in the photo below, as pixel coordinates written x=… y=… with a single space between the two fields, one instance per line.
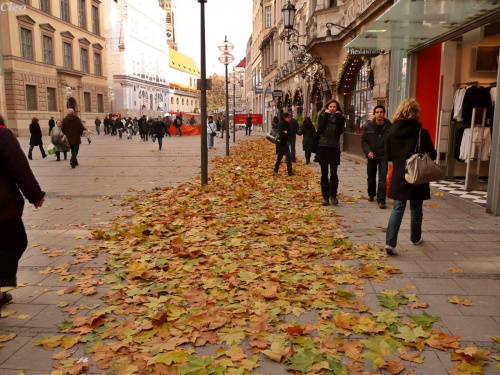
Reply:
x=223 y=17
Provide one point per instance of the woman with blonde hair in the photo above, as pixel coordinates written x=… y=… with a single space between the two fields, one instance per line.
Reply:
x=401 y=143
x=330 y=127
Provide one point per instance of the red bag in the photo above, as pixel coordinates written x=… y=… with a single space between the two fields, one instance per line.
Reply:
x=389 y=178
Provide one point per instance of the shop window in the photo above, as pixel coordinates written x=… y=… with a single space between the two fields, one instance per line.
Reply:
x=51 y=99
x=355 y=103
x=87 y=100
x=100 y=103
x=31 y=102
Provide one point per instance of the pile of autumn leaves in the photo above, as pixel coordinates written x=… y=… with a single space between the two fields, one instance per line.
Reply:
x=246 y=268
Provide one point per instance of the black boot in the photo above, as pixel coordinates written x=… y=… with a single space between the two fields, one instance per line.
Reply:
x=30 y=153
x=325 y=193
x=334 y=185
x=58 y=156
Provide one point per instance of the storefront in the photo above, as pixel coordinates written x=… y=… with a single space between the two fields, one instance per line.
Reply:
x=445 y=54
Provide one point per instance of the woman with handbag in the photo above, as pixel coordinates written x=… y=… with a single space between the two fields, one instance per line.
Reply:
x=211 y=131
x=401 y=142
x=330 y=128
x=282 y=148
x=308 y=130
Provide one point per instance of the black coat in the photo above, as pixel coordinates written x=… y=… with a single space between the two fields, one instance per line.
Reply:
x=159 y=129
x=282 y=146
x=400 y=145
x=294 y=127
x=308 y=133
x=36 y=134
x=370 y=138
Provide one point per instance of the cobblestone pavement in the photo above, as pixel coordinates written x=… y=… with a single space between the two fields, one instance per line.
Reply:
x=457 y=234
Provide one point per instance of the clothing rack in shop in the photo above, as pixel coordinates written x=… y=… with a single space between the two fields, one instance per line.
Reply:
x=471 y=175
x=475 y=83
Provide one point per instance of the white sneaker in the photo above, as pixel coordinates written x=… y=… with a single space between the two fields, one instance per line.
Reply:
x=418 y=242
x=390 y=250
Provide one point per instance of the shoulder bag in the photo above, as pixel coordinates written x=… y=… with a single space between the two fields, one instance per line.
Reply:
x=420 y=168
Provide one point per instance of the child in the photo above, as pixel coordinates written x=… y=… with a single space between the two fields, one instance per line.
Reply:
x=87 y=133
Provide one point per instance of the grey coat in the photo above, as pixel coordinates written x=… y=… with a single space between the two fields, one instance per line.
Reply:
x=58 y=135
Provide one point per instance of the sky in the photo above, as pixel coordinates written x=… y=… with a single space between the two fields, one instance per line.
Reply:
x=222 y=17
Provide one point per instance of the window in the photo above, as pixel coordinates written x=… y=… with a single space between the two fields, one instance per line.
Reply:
x=97 y=64
x=333 y=3
x=95 y=20
x=68 y=56
x=169 y=18
x=84 y=60
x=31 y=102
x=27 y=47
x=268 y=17
x=100 y=103
x=51 y=99
x=177 y=101
x=86 y=99
x=182 y=101
x=172 y=100
x=355 y=101
x=25 y=1
x=65 y=10
x=45 y=6
x=48 y=56
x=82 y=21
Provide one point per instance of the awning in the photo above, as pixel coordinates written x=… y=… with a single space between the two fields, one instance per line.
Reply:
x=409 y=24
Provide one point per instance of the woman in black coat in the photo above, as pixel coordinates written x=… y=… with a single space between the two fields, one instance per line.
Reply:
x=400 y=145
x=308 y=130
x=330 y=128
x=282 y=148
x=36 y=138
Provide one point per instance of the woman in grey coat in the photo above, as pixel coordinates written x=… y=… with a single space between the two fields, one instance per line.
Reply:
x=59 y=141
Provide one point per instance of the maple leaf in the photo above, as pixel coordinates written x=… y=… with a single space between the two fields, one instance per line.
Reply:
x=337 y=368
x=379 y=348
x=407 y=334
x=411 y=357
x=424 y=320
x=459 y=301
x=304 y=360
x=395 y=366
x=352 y=349
x=178 y=356
x=277 y=350
x=195 y=365
x=5 y=338
x=127 y=369
x=231 y=336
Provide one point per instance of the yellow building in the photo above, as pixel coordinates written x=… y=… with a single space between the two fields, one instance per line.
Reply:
x=183 y=75
x=53 y=58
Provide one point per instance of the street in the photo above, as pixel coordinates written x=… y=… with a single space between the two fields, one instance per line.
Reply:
x=265 y=215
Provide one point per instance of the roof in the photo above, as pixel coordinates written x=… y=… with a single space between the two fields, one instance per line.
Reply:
x=179 y=61
x=242 y=64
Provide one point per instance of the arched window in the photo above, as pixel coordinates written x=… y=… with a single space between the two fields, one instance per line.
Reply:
x=182 y=101
x=172 y=100
x=355 y=103
x=177 y=100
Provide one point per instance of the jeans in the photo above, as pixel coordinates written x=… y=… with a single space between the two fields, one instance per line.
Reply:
x=178 y=130
x=291 y=142
x=371 y=170
x=288 y=162
x=416 y=207
x=98 y=129
x=211 y=140
x=120 y=132
x=248 y=130
x=222 y=132
x=160 y=142
x=74 y=154
x=13 y=244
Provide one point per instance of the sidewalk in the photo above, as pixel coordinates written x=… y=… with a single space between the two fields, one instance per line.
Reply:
x=457 y=234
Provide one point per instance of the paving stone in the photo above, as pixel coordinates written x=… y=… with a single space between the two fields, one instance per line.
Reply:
x=471 y=328
x=479 y=287
x=437 y=286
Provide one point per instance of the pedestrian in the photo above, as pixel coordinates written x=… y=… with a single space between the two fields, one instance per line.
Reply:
x=52 y=124
x=119 y=127
x=135 y=127
x=248 y=126
x=292 y=137
x=219 y=124
x=129 y=126
x=113 y=126
x=282 y=147
x=16 y=177
x=330 y=128
x=60 y=142
x=178 y=124
x=211 y=131
x=87 y=133
x=36 y=138
x=167 y=123
x=159 y=131
x=223 y=126
x=151 y=128
x=107 y=125
x=73 y=128
x=400 y=145
x=307 y=130
x=373 y=142
x=97 y=123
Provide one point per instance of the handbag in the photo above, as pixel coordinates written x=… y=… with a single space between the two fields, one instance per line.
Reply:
x=420 y=168
x=271 y=138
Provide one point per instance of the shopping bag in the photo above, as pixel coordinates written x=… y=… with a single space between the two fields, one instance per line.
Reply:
x=51 y=151
x=389 y=178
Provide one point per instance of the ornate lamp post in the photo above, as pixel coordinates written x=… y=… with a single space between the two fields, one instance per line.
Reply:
x=234 y=81
x=203 y=100
x=226 y=58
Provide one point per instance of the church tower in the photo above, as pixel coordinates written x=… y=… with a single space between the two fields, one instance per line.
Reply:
x=170 y=32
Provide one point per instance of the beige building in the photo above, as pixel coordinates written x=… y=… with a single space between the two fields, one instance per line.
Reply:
x=183 y=75
x=53 y=57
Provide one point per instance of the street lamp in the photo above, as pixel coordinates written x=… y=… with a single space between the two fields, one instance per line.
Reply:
x=226 y=58
x=234 y=80
x=203 y=100
x=288 y=12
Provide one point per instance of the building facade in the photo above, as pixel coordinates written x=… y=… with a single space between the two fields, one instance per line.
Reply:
x=139 y=56
x=183 y=75
x=248 y=95
x=53 y=57
x=256 y=62
x=170 y=20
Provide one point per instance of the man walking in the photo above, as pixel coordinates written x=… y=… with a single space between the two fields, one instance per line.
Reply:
x=223 y=126
x=248 y=127
x=107 y=125
x=292 y=136
x=159 y=131
x=52 y=124
x=373 y=142
x=97 y=123
x=73 y=128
